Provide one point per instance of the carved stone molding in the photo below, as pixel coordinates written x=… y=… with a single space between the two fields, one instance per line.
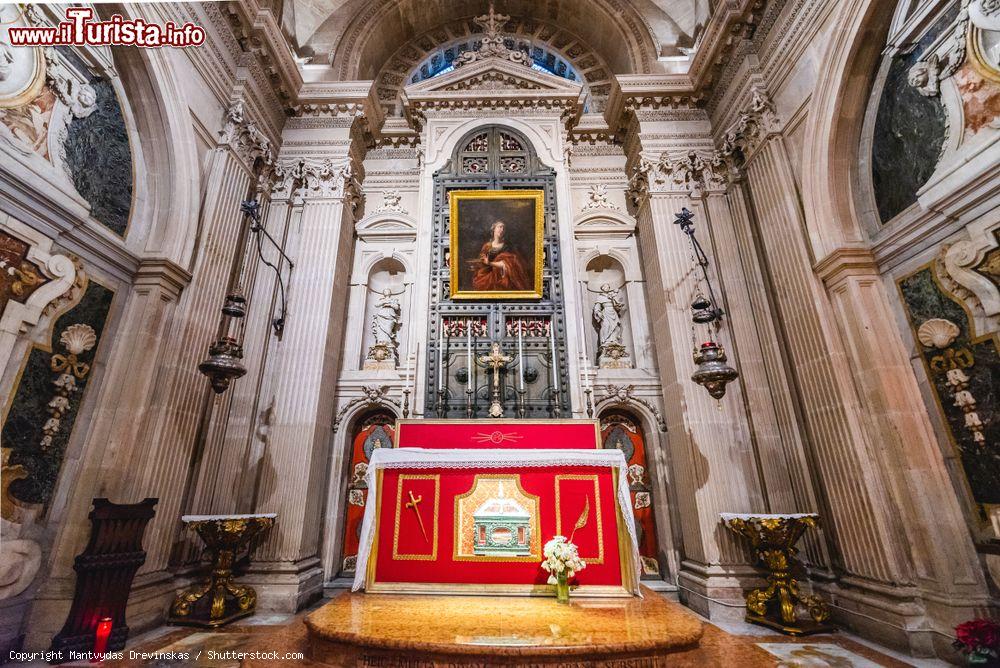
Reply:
x=624 y=396
x=974 y=264
x=693 y=173
x=597 y=198
x=59 y=272
x=375 y=396
x=312 y=178
x=244 y=137
x=756 y=124
x=943 y=58
x=391 y=203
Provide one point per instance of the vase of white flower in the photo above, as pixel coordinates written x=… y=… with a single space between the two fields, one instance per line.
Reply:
x=562 y=562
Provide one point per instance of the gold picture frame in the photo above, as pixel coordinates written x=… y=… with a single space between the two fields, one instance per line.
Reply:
x=492 y=262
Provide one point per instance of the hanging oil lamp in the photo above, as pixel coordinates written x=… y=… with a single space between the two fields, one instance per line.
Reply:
x=712 y=372
x=225 y=355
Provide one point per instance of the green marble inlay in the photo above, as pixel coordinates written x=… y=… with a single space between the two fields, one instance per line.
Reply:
x=24 y=426
x=975 y=359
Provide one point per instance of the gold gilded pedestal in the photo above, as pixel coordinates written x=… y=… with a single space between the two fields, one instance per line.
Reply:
x=220 y=600
x=773 y=538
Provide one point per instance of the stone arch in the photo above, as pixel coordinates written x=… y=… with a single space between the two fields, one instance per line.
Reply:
x=833 y=131
x=629 y=264
x=621 y=427
x=341 y=520
x=165 y=164
x=372 y=264
x=364 y=33
x=399 y=69
x=547 y=149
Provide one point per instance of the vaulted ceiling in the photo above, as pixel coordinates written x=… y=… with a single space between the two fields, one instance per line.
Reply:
x=359 y=36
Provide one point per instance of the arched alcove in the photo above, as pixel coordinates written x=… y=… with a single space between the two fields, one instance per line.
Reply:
x=623 y=430
x=604 y=275
x=166 y=170
x=371 y=430
x=387 y=275
x=836 y=118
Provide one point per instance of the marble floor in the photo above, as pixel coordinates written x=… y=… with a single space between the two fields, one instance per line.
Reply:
x=282 y=640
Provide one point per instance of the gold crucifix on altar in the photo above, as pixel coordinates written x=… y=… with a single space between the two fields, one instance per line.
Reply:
x=496 y=360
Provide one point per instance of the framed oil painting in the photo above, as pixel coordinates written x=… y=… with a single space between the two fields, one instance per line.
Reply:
x=496 y=244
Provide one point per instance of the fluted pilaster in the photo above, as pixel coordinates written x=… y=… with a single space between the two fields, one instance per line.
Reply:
x=709 y=440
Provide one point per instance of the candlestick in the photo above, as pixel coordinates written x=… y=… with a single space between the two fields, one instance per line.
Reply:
x=555 y=359
x=520 y=353
x=440 y=357
x=468 y=355
x=412 y=375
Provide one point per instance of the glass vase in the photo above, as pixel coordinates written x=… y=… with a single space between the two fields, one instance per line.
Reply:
x=562 y=588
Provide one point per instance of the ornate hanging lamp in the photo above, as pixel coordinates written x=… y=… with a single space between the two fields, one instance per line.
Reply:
x=711 y=370
x=225 y=355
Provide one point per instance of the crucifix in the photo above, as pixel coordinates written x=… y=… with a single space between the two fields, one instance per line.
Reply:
x=412 y=503
x=496 y=360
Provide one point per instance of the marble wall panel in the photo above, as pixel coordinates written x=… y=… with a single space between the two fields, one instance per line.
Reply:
x=49 y=393
x=910 y=130
x=963 y=367
x=100 y=159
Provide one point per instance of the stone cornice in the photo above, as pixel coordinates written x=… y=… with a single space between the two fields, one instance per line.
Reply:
x=259 y=30
x=732 y=21
x=491 y=84
x=162 y=273
x=636 y=93
x=844 y=263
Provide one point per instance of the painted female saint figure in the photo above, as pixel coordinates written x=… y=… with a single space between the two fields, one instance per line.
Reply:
x=499 y=266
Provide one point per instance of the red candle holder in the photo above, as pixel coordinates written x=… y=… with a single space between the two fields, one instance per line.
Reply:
x=101 y=636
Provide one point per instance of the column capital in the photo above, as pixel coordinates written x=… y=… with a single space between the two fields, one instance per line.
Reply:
x=243 y=137
x=316 y=179
x=693 y=173
x=757 y=123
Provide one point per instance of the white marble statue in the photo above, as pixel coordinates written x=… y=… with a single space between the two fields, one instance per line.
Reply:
x=386 y=320
x=607 y=314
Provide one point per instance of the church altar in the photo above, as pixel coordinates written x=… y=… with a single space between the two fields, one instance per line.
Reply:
x=500 y=434
x=474 y=519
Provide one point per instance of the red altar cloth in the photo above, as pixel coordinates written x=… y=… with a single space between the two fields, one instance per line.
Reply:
x=499 y=434
x=439 y=543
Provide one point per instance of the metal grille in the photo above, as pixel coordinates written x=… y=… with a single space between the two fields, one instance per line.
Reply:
x=504 y=148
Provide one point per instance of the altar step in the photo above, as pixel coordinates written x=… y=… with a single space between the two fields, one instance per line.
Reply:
x=666 y=589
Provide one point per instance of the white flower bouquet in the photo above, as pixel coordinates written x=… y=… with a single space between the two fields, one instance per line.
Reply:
x=562 y=561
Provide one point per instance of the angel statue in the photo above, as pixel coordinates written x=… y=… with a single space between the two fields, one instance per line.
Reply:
x=607 y=314
x=384 y=352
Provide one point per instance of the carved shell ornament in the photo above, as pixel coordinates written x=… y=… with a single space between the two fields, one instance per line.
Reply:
x=78 y=338
x=938 y=333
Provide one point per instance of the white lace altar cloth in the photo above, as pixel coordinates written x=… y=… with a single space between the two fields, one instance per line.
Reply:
x=420 y=458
